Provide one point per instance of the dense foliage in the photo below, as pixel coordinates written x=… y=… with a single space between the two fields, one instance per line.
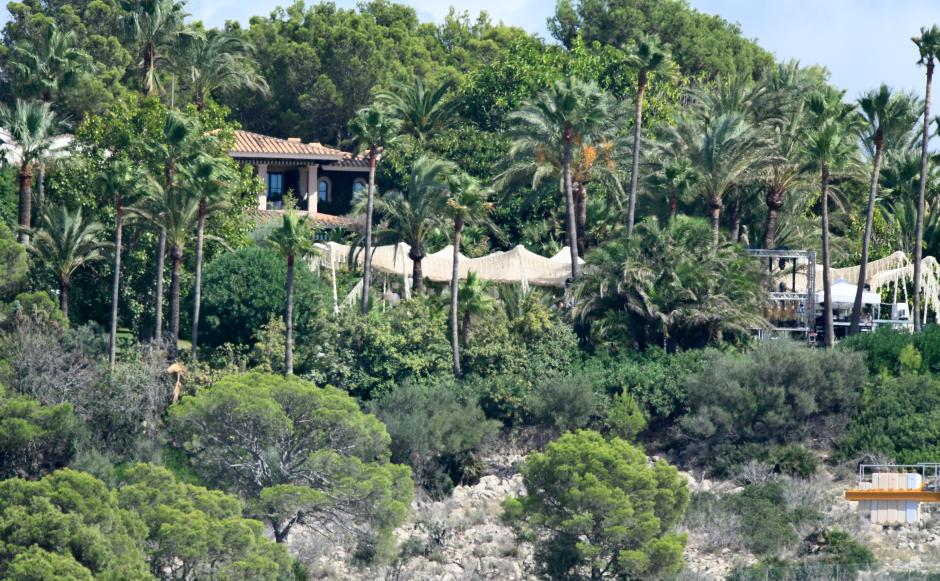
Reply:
x=598 y=510
x=739 y=405
x=301 y=454
x=146 y=305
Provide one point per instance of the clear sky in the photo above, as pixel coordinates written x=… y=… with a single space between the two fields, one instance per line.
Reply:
x=862 y=42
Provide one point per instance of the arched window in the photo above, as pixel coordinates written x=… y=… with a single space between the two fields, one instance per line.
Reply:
x=359 y=185
x=323 y=189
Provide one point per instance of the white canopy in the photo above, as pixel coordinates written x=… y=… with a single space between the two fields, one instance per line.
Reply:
x=518 y=265
x=564 y=255
x=843 y=295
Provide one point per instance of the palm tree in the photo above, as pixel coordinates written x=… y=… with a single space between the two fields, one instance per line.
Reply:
x=649 y=58
x=179 y=144
x=175 y=211
x=373 y=130
x=568 y=112
x=667 y=287
x=421 y=111
x=466 y=204
x=207 y=177
x=120 y=181
x=154 y=26
x=47 y=64
x=724 y=150
x=677 y=179
x=293 y=239
x=474 y=300
x=29 y=135
x=413 y=215
x=785 y=168
x=218 y=61
x=66 y=242
x=828 y=147
x=886 y=115
x=928 y=44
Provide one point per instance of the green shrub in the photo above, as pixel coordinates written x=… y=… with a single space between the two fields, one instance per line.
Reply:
x=565 y=403
x=243 y=290
x=502 y=397
x=910 y=360
x=654 y=378
x=297 y=452
x=625 y=419
x=34 y=439
x=498 y=346
x=842 y=549
x=370 y=356
x=793 y=460
x=887 y=351
x=766 y=525
x=598 y=505
x=433 y=432
x=781 y=392
x=900 y=418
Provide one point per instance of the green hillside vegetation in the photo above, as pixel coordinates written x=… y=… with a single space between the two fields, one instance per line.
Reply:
x=188 y=385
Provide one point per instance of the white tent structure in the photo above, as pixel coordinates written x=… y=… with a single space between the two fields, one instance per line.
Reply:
x=843 y=295
x=516 y=266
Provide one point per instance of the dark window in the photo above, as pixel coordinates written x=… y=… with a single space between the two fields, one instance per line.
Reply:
x=323 y=190
x=276 y=189
x=359 y=186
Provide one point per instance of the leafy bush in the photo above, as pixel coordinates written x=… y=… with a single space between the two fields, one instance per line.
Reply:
x=300 y=453
x=887 y=350
x=777 y=394
x=70 y=526
x=501 y=397
x=242 y=290
x=565 y=403
x=433 y=432
x=521 y=347
x=654 y=378
x=595 y=505
x=625 y=419
x=793 y=460
x=369 y=356
x=766 y=524
x=34 y=439
x=899 y=417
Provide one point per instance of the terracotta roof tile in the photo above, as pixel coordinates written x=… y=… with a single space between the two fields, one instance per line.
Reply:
x=248 y=143
x=320 y=219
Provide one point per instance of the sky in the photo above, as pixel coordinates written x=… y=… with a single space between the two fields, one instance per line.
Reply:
x=862 y=42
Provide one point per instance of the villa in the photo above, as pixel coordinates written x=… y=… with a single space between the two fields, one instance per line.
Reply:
x=324 y=180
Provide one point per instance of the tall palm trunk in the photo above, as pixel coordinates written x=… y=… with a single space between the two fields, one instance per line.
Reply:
x=454 y=294
x=465 y=329
x=919 y=229
x=635 y=171
x=579 y=190
x=197 y=290
x=866 y=240
x=26 y=202
x=715 y=207
x=64 y=284
x=569 y=203
x=736 y=218
x=673 y=205
x=367 y=260
x=417 y=273
x=40 y=188
x=774 y=201
x=827 y=283
x=176 y=258
x=161 y=253
x=116 y=282
x=289 y=319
